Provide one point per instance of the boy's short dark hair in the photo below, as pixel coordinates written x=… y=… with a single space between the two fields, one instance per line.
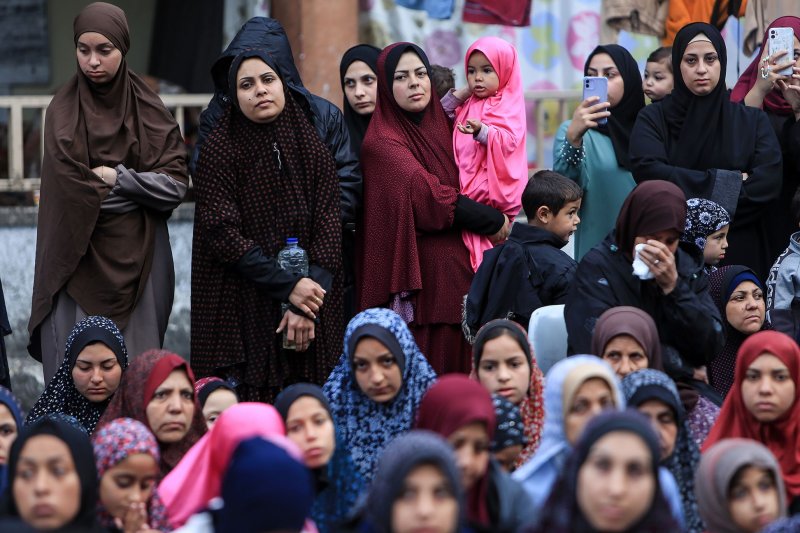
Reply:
x=795 y=207
x=662 y=54
x=443 y=79
x=550 y=189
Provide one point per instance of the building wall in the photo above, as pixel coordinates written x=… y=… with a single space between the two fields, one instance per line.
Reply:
x=61 y=13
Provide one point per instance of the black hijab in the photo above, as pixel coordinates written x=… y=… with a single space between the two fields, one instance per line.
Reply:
x=82 y=455
x=356 y=123
x=392 y=59
x=623 y=115
x=697 y=123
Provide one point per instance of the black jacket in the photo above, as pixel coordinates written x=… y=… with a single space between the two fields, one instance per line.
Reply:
x=528 y=271
x=268 y=34
x=688 y=322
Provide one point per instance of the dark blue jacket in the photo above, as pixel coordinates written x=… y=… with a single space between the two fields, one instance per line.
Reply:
x=268 y=34
x=528 y=271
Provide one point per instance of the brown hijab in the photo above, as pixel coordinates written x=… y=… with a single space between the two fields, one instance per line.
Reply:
x=651 y=207
x=631 y=321
x=103 y=259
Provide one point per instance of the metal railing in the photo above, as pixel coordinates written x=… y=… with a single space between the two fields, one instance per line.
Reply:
x=15 y=139
x=547 y=119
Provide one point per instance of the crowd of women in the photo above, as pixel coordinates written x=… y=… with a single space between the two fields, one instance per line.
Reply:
x=346 y=397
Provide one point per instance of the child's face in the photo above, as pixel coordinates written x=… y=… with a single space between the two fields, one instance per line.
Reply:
x=481 y=77
x=566 y=221
x=657 y=81
x=507 y=457
x=716 y=245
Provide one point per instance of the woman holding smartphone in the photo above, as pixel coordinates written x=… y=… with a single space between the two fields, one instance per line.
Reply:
x=711 y=147
x=767 y=85
x=592 y=148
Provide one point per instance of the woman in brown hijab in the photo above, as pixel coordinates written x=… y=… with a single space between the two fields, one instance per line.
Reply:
x=114 y=169
x=671 y=288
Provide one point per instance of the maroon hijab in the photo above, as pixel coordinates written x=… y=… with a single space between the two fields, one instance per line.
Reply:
x=103 y=259
x=651 y=207
x=438 y=412
x=398 y=143
x=774 y=101
x=140 y=382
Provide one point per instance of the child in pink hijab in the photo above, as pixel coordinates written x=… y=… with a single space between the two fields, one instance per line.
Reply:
x=489 y=139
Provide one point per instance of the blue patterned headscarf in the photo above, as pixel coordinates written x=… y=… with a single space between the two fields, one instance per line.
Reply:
x=540 y=473
x=703 y=217
x=648 y=384
x=8 y=399
x=365 y=426
x=60 y=395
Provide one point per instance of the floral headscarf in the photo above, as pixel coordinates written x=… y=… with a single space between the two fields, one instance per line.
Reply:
x=113 y=443
x=60 y=395
x=703 y=217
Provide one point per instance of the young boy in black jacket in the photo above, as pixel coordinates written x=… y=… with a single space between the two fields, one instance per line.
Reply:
x=529 y=270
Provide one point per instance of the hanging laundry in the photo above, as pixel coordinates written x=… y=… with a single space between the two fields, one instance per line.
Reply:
x=647 y=17
x=715 y=12
x=507 y=13
x=760 y=14
x=436 y=9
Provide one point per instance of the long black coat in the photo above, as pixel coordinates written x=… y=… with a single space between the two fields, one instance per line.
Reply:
x=688 y=322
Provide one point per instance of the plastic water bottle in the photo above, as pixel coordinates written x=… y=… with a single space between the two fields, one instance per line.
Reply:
x=293 y=259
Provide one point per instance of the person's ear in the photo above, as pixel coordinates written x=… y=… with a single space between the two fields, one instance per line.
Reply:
x=544 y=215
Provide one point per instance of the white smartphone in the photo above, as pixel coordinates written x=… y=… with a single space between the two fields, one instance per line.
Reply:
x=596 y=86
x=781 y=39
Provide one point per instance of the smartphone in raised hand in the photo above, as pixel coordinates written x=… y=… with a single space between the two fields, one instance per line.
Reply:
x=782 y=39
x=596 y=86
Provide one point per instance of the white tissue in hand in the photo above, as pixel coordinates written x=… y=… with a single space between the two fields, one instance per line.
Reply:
x=640 y=270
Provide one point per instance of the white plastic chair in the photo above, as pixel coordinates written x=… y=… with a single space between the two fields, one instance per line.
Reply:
x=547 y=332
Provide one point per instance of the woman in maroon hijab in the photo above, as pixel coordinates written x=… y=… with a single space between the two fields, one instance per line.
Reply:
x=412 y=257
x=114 y=168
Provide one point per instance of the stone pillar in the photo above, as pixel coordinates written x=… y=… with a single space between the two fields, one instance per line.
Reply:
x=320 y=31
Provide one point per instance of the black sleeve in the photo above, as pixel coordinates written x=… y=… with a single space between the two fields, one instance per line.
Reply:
x=765 y=178
x=588 y=297
x=267 y=274
x=690 y=321
x=476 y=217
x=336 y=137
x=208 y=119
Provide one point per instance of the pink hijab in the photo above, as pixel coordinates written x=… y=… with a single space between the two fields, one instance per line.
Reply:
x=496 y=173
x=197 y=478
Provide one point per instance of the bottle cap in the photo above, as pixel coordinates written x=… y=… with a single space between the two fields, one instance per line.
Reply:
x=291 y=240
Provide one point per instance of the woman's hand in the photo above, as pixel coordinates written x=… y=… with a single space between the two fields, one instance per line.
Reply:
x=661 y=262
x=473 y=126
x=307 y=296
x=701 y=374
x=790 y=89
x=107 y=174
x=586 y=116
x=502 y=233
x=769 y=64
x=299 y=330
